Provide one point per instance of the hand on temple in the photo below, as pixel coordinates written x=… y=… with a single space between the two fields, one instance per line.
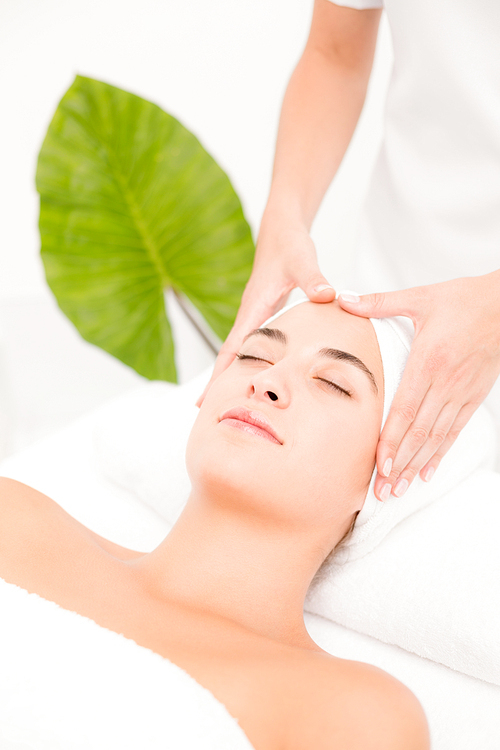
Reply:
x=453 y=364
x=285 y=258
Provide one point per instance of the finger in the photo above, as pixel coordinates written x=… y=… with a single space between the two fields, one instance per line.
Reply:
x=406 y=473
x=221 y=363
x=201 y=398
x=421 y=462
x=323 y=292
x=424 y=437
x=317 y=288
x=464 y=415
x=302 y=271
x=410 y=394
x=382 y=304
x=251 y=315
x=226 y=355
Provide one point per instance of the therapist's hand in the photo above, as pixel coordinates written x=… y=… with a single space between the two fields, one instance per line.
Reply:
x=285 y=258
x=453 y=364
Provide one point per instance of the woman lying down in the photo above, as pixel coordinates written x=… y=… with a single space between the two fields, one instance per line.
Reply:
x=280 y=459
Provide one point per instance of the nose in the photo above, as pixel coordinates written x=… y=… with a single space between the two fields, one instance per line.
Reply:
x=268 y=385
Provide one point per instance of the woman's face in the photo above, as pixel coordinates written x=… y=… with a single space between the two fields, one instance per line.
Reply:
x=289 y=430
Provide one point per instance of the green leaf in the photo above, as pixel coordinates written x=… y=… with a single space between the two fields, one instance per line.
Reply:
x=130 y=205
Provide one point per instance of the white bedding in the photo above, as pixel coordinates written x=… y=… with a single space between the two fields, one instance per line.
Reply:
x=68 y=684
x=463 y=712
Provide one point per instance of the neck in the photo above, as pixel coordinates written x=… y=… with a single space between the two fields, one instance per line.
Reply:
x=240 y=567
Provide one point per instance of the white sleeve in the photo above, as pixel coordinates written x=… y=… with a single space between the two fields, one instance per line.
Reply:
x=359 y=4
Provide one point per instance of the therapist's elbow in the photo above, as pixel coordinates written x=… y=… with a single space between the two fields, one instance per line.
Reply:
x=344 y=37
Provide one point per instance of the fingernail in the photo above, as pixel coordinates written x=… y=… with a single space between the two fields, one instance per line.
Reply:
x=401 y=487
x=429 y=474
x=387 y=468
x=385 y=492
x=322 y=287
x=349 y=297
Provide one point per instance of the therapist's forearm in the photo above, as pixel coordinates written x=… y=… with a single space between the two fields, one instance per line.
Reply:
x=321 y=108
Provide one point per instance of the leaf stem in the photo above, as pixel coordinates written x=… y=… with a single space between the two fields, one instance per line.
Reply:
x=185 y=307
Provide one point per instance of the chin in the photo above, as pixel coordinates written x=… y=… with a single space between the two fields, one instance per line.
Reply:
x=226 y=469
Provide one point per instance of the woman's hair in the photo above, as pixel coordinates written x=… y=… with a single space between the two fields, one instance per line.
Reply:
x=329 y=560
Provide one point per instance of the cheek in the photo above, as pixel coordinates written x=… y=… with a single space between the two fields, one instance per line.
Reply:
x=195 y=445
x=206 y=447
x=332 y=462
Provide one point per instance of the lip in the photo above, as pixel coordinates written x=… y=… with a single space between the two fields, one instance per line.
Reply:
x=254 y=418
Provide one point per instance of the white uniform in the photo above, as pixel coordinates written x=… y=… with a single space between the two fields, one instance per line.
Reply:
x=432 y=211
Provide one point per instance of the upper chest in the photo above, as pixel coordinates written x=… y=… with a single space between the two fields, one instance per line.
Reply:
x=261 y=683
x=61 y=564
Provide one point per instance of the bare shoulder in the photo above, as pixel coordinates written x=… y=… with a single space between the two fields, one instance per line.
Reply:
x=30 y=520
x=10 y=489
x=355 y=706
x=27 y=509
x=18 y=503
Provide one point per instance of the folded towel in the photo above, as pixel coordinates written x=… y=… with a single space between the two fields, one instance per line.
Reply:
x=68 y=684
x=474 y=449
x=432 y=585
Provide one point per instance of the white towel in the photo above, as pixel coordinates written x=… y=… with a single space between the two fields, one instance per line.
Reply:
x=432 y=586
x=474 y=450
x=68 y=684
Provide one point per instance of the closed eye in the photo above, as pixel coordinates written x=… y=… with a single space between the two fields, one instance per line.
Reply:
x=256 y=359
x=336 y=387
x=330 y=383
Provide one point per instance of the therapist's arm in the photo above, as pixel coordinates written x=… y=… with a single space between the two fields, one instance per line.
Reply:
x=321 y=107
x=453 y=364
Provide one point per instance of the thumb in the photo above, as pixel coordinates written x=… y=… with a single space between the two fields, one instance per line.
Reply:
x=317 y=288
x=380 y=304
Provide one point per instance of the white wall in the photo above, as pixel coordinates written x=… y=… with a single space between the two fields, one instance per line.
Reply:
x=221 y=68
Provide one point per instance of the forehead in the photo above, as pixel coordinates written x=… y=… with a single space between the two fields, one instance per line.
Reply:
x=311 y=327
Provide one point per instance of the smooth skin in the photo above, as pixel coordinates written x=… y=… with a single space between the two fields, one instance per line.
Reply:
x=222 y=596
x=455 y=357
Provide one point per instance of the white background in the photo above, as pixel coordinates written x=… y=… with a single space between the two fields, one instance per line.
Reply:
x=221 y=68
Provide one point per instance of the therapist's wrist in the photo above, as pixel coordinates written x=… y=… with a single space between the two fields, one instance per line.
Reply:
x=492 y=285
x=488 y=287
x=286 y=208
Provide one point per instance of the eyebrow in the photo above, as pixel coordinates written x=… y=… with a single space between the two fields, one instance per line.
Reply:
x=340 y=356
x=270 y=333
